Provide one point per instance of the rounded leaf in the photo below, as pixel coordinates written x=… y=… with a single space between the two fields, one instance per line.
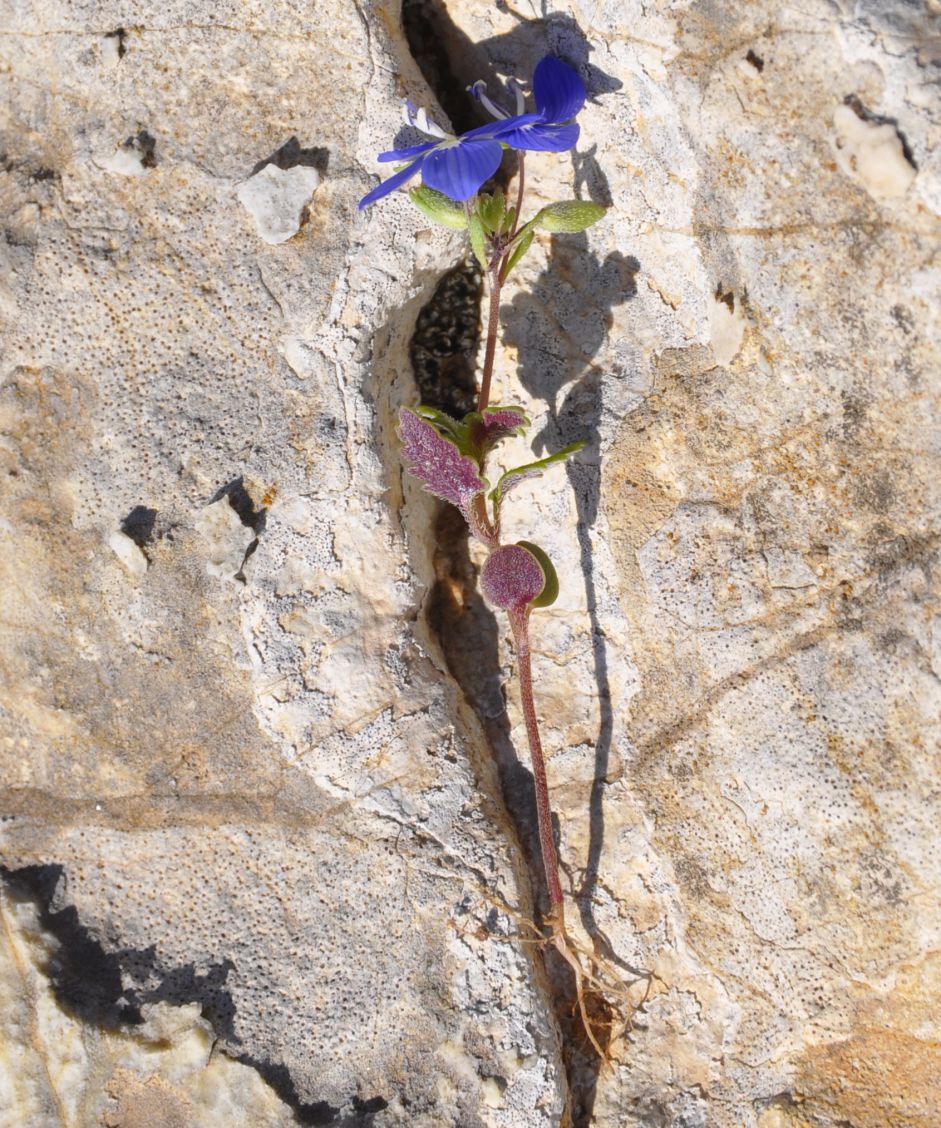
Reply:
x=550 y=590
x=512 y=577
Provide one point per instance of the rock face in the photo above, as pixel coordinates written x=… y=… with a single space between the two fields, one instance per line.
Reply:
x=260 y=867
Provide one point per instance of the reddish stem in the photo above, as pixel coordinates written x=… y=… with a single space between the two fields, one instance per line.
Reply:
x=519 y=621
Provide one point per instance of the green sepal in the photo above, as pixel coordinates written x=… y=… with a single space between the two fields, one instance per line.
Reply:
x=550 y=591
x=439 y=208
x=520 y=247
x=569 y=216
x=476 y=231
x=491 y=210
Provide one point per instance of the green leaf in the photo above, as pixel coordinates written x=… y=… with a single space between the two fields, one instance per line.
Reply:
x=570 y=215
x=520 y=247
x=509 y=218
x=530 y=470
x=440 y=419
x=476 y=229
x=438 y=207
x=491 y=210
x=550 y=591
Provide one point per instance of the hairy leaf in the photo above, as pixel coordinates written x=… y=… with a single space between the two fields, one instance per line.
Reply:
x=512 y=577
x=550 y=591
x=439 y=207
x=496 y=423
x=437 y=462
x=570 y=215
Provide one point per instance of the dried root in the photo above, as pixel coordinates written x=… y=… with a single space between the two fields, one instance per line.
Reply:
x=603 y=999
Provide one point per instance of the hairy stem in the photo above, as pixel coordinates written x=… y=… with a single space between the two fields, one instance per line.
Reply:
x=493 y=324
x=519 y=621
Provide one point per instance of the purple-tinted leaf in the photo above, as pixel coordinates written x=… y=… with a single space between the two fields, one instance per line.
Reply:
x=437 y=462
x=512 y=578
x=496 y=423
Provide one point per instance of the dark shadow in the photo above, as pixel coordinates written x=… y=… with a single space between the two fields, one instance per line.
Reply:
x=291 y=154
x=139 y=525
x=255 y=519
x=558 y=327
x=91 y=983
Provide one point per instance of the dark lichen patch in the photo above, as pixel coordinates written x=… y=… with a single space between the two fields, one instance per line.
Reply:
x=443 y=348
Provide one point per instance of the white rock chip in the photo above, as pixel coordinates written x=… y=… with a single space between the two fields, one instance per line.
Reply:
x=228 y=538
x=872 y=153
x=129 y=553
x=276 y=197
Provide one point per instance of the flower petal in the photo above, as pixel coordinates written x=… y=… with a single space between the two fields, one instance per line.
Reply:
x=558 y=90
x=543 y=138
x=391 y=184
x=458 y=170
x=407 y=153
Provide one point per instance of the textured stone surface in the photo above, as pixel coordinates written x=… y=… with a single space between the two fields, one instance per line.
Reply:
x=236 y=772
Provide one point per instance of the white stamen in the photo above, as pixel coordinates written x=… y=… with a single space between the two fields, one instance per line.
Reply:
x=518 y=92
x=491 y=107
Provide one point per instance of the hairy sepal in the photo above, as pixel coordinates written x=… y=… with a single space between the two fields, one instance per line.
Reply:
x=569 y=216
x=438 y=207
x=492 y=211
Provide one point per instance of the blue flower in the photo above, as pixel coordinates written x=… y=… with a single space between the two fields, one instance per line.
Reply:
x=456 y=166
x=559 y=94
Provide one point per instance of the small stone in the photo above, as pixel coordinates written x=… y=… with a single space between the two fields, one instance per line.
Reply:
x=276 y=197
x=129 y=553
x=871 y=153
x=228 y=538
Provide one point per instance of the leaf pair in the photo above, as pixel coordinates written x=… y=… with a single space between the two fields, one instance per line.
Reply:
x=448 y=456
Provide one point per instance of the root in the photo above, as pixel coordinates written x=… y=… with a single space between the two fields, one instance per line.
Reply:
x=602 y=997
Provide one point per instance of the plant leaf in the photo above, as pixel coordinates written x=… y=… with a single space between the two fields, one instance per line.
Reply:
x=550 y=590
x=513 y=477
x=491 y=210
x=476 y=230
x=437 y=462
x=486 y=430
x=438 y=207
x=512 y=577
x=570 y=215
x=521 y=246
